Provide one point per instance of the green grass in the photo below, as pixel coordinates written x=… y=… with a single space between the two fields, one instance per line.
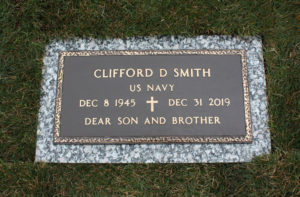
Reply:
x=27 y=26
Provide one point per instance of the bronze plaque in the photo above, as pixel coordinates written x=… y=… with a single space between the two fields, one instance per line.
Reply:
x=162 y=96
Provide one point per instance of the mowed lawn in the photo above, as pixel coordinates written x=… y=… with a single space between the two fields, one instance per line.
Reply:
x=27 y=26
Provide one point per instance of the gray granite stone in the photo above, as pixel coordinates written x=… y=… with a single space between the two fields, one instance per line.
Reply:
x=46 y=151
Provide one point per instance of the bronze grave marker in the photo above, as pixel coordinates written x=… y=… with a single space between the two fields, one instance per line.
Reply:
x=161 y=96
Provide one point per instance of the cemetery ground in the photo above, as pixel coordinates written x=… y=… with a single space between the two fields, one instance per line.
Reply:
x=27 y=27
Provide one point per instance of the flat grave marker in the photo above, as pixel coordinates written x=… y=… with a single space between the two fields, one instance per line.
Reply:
x=152 y=97
x=168 y=100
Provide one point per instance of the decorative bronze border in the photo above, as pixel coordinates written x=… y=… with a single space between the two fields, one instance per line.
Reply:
x=165 y=139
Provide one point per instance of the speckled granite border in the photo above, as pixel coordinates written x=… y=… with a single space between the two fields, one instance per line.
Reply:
x=46 y=151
